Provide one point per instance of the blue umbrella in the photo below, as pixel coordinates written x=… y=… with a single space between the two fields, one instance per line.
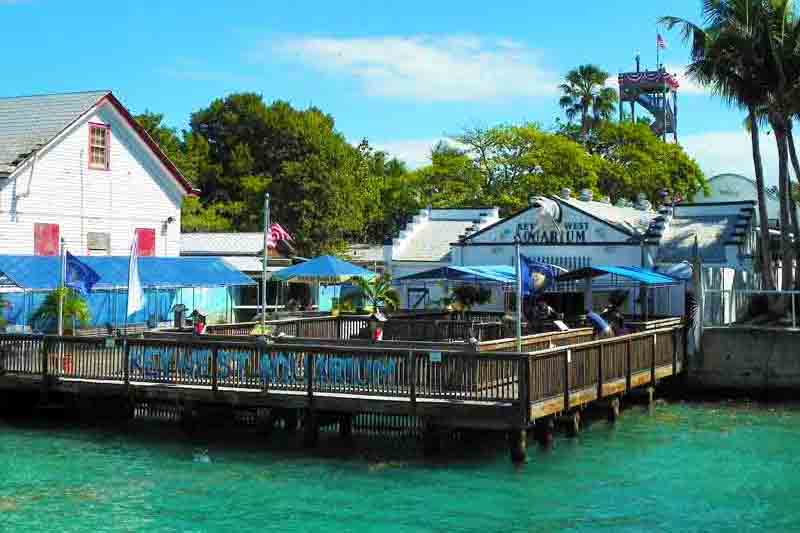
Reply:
x=323 y=269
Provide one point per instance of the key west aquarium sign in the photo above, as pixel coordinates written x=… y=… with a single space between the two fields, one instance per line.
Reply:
x=565 y=233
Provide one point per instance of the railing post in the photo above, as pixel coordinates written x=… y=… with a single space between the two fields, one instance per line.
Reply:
x=628 y=366
x=794 y=317
x=567 y=357
x=339 y=327
x=126 y=362
x=310 y=377
x=653 y=359
x=214 y=368
x=674 y=352
x=45 y=358
x=524 y=390
x=600 y=371
x=411 y=373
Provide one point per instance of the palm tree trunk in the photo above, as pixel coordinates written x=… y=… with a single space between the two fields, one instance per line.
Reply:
x=584 y=119
x=765 y=254
x=793 y=204
x=787 y=251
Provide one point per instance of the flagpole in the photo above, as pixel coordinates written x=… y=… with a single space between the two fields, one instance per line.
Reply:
x=264 y=270
x=61 y=274
x=519 y=294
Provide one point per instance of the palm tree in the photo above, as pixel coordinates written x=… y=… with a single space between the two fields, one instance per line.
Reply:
x=583 y=92
x=378 y=292
x=729 y=56
x=75 y=309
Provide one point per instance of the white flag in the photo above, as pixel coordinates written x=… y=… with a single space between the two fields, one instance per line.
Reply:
x=135 y=292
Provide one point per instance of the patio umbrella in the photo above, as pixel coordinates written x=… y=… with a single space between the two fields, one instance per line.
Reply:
x=323 y=269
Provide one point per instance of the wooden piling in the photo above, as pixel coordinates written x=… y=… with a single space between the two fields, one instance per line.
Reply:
x=571 y=422
x=543 y=430
x=613 y=409
x=431 y=439
x=310 y=428
x=519 y=445
x=346 y=426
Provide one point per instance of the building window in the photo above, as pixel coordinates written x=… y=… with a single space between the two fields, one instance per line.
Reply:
x=98 y=243
x=146 y=241
x=46 y=239
x=99 y=146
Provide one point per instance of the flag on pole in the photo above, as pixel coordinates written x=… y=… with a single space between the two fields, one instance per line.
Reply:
x=275 y=234
x=537 y=276
x=135 y=292
x=660 y=43
x=80 y=277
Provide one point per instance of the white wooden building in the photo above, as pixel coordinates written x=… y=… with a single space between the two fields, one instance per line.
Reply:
x=78 y=167
x=580 y=232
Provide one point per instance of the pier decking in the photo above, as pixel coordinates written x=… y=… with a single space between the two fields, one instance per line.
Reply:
x=447 y=388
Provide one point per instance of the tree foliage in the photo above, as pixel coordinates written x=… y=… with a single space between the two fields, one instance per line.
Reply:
x=75 y=310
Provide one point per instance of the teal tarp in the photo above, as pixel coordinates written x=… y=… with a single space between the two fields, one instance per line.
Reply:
x=323 y=269
x=488 y=273
x=641 y=275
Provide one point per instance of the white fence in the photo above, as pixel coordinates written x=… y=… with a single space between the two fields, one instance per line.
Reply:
x=723 y=307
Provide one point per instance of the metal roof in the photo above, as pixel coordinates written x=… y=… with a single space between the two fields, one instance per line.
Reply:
x=222 y=243
x=42 y=273
x=641 y=275
x=29 y=122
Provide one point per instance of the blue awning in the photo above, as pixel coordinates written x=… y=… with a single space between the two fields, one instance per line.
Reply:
x=488 y=273
x=42 y=273
x=641 y=275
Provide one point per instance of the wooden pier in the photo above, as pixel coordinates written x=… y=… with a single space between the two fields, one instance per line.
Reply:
x=445 y=388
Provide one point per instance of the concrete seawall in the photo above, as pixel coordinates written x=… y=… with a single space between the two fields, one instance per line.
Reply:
x=747 y=359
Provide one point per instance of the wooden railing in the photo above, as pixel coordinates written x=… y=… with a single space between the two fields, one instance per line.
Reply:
x=566 y=373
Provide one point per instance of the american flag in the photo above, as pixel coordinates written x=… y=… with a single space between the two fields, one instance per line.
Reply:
x=277 y=233
x=660 y=42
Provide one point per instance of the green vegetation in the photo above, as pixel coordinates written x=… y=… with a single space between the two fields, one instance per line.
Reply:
x=76 y=311
x=377 y=293
x=240 y=147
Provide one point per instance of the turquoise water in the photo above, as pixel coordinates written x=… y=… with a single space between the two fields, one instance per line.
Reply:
x=731 y=466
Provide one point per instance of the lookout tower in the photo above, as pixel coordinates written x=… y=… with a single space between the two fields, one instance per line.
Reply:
x=657 y=92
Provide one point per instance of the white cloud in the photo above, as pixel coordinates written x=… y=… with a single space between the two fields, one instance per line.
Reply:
x=414 y=152
x=730 y=151
x=431 y=69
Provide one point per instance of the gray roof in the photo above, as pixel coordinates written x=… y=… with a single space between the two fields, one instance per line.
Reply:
x=627 y=219
x=365 y=253
x=677 y=243
x=29 y=122
x=431 y=242
x=222 y=243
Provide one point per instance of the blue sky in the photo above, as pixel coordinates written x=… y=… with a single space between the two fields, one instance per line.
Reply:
x=402 y=74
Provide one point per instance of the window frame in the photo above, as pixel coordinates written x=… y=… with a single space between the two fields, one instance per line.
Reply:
x=107 y=130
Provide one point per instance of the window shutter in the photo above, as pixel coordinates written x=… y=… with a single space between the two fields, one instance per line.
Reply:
x=146 y=241
x=46 y=239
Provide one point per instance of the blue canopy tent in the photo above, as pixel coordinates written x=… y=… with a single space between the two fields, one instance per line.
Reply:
x=26 y=280
x=324 y=270
x=616 y=277
x=502 y=274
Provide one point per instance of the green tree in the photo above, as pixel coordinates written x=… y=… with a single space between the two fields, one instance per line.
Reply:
x=377 y=292
x=584 y=95
x=75 y=310
x=730 y=55
x=634 y=160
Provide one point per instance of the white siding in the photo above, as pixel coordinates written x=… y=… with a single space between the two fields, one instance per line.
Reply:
x=59 y=188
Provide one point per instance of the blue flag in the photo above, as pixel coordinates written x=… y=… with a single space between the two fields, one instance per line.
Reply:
x=536 y=276
x=79 y=276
